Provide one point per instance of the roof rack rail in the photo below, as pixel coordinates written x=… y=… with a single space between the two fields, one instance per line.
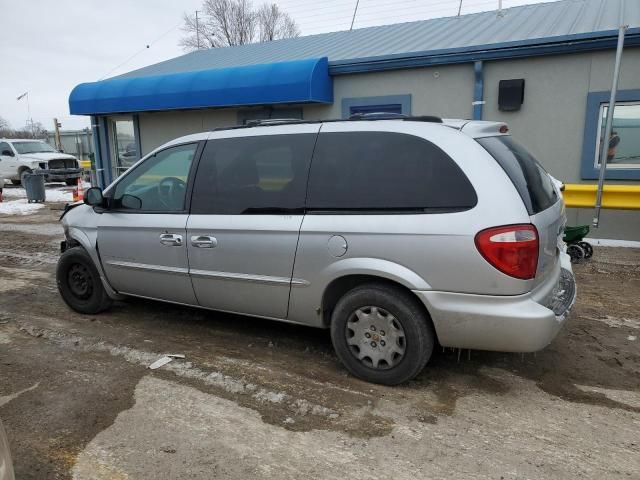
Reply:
x=272 y=121
x=394 y=116
x=377 y=116
x=425 y=118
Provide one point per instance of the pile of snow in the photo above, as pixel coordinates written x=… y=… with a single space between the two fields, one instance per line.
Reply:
x=57 y=195
x=19 y=207
x=15 y=199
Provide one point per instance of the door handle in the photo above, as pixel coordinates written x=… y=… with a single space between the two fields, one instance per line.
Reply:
x=171 y=239
x=203 y=241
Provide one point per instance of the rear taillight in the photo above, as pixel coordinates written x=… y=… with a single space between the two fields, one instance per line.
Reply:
x=512 y=249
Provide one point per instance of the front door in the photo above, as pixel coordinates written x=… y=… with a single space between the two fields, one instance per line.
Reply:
x=142 y=237
x=247 y=208
x=7 y=162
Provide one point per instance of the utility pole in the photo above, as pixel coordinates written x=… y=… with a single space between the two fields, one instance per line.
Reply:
x=609 y=124
x=355 y=10
x=500 y=13
x=56 y=129
x=197 y=31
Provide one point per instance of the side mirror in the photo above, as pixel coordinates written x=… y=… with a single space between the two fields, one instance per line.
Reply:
x=7 y=153
x=93 y=197
x=131 y=202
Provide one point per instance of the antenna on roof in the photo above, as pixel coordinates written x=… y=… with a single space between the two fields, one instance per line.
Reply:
x=460 y=8
x=355 y=10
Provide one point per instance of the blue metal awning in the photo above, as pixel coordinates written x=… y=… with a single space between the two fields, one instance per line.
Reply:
x=299 y=81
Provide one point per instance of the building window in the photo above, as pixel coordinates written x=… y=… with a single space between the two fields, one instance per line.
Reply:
x=623 y=150
x=623 y=147
x=383 y=104
x=124 y=150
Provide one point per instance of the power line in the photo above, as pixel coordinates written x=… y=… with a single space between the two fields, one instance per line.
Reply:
x=373 y=17
x=146 y=47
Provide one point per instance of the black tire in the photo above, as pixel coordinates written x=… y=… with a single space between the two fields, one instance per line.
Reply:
x=71 y=182
x=79 y=282
x=16 y=182
x=588 y=249
x=390 y=302
x=576 y=252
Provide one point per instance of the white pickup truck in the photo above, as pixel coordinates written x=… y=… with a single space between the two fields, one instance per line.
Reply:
x=19 y=157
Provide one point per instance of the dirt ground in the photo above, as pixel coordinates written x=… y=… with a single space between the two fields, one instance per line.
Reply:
x=258 y=399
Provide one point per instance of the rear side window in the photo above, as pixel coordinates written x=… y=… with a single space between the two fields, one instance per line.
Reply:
x=385 y=171
x=261 y=174
x=531 y=180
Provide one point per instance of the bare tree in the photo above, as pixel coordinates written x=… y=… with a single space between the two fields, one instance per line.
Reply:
x=275 y=24
x=4 y=124
x=225 y=23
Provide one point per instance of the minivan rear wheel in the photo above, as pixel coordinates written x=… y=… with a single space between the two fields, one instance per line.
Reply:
x=381 y=334
x=79 y=282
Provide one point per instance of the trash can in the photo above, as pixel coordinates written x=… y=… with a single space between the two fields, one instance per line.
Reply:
x=33 y=183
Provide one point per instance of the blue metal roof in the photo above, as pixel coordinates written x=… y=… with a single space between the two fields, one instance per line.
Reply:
x=538 y=29
x=298 y=81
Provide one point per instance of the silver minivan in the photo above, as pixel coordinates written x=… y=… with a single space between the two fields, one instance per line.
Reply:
x=397 y=234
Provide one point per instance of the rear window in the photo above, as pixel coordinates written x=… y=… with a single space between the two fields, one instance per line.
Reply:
x=374 y=171
x=531 y=180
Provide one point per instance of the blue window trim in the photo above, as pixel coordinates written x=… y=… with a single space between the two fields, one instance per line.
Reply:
x=588 y=170
x=136 y=135
x=403 y=100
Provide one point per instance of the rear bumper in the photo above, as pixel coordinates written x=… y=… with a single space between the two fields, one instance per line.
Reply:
x=521 y=323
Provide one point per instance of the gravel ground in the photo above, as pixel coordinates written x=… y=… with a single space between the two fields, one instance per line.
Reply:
x=258 y=399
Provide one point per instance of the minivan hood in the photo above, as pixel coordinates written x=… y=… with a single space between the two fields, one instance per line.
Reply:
x=45 y=156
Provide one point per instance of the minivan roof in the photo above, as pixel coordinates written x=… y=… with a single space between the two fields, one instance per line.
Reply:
x=472 y=128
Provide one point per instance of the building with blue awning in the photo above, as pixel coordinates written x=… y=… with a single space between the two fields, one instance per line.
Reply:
x=545 y=69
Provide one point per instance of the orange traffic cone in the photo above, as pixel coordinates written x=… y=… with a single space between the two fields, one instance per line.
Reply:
x=78 y=192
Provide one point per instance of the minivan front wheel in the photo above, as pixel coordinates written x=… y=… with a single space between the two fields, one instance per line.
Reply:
x=79 y=282
x=381 y=334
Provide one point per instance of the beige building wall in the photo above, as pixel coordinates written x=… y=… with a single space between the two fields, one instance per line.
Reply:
x=550 y=123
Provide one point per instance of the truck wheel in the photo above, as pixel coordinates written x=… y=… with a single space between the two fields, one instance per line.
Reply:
x=381 y=334
x=79 y=282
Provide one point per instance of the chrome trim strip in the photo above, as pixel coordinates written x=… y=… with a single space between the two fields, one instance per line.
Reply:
x=247 y=277
x=148 y=267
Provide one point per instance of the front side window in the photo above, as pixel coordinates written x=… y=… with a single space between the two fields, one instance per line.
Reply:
x=384 y=171
x=159 y=184
x=623 y=146
x=33 y=147
x=261 y=174
x=4 y=147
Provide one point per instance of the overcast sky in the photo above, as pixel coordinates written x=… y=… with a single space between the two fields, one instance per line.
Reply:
x=48 y=47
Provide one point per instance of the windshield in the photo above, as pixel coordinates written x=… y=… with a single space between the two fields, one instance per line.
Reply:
x=33 y=147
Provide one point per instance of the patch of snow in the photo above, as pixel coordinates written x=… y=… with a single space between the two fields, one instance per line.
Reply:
x=608 y=242
x=616 y=322
x=19 y=207
x=273 y=397
x=58 y=194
